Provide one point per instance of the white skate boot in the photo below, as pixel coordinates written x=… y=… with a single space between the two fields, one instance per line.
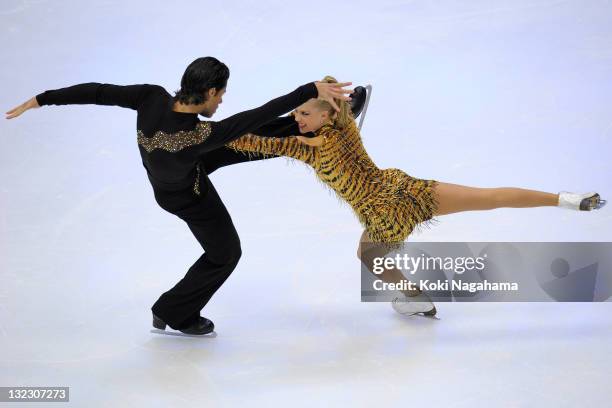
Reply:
x=411 y=305
x=582 y=202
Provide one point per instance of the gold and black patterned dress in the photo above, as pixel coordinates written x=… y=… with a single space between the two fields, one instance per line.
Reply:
x=389 y=203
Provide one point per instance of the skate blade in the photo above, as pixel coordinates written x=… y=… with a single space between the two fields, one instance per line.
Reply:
x=431 y=317
x=424 y=315
x=431 y=314
x=365 y=107
x=179 y=334
x=592 y=203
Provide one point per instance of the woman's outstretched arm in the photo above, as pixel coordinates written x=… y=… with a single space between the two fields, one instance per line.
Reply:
x=281 y=127
x=288 y=146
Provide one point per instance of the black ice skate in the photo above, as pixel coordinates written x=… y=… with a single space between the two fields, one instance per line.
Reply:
x=360 y=99
x=201 y=327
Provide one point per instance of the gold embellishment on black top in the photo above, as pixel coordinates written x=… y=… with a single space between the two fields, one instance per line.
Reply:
x=196 y=185
x=174 y=142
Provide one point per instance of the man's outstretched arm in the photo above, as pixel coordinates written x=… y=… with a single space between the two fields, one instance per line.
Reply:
x=239 y=124
x=128 y=96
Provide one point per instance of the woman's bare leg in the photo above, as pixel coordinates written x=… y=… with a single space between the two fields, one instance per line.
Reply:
x=389 y=275
x=454 y=198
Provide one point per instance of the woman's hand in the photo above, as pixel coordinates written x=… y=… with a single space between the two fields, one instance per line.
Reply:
x=30 y=104
x=328 y=91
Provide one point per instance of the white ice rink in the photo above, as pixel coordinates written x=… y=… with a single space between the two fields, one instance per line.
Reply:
x=479 y=93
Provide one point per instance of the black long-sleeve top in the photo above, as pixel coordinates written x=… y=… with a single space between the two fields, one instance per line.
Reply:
x=172 y=143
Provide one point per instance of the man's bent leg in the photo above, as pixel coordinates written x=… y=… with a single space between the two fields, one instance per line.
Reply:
x=212 y=226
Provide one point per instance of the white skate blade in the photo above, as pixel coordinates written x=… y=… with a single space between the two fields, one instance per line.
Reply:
x=365 y=107
x=424 y=316
x=179 y=334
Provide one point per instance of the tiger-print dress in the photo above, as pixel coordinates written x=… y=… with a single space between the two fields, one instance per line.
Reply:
x=389 y=203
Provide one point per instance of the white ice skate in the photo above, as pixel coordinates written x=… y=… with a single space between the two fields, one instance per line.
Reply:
x=581 y=202
x=411 y=305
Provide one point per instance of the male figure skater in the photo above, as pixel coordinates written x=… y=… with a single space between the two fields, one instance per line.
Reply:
x=172 y=142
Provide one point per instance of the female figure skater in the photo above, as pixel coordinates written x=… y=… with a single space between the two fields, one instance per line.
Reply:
x=389 y=203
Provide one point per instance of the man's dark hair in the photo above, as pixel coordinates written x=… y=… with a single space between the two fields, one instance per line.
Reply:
x=200 y=76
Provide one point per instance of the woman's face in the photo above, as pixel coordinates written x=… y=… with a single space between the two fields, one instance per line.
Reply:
x=310 y=117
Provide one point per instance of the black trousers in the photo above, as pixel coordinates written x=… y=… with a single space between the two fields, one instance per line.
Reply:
x=211 y=224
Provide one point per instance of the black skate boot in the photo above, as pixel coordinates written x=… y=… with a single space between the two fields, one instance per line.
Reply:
x=199 y=328
x=358 y=100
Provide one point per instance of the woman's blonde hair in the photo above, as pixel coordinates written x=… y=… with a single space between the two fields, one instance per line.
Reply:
x=344 y=117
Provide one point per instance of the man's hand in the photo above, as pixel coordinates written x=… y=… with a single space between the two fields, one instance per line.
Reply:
x=30 y=104
x=329 y=91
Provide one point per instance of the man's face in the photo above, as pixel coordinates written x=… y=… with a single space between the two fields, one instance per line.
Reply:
x=215 y=98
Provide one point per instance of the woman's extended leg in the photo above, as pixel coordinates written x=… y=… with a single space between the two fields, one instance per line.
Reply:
x=456 y=198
